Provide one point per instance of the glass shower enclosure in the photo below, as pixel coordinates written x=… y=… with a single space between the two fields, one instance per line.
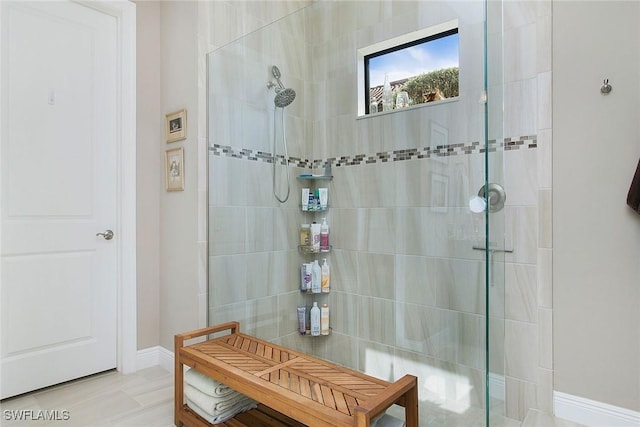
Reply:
x=416 y=226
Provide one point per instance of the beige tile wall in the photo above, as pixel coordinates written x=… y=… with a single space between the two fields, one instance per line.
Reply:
x=408 y=289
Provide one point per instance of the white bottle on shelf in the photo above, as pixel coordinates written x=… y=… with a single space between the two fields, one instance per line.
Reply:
x=316 y=278
x=315 y=320
x=315 y=236
x=324 y=320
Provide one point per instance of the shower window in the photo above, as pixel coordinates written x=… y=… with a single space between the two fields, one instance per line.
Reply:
x=424 y=64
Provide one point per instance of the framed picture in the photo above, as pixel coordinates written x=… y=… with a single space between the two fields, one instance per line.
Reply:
x=174 y=169
x=175 y=126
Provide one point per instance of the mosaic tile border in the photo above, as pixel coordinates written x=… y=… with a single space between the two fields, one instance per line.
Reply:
x=508 y=144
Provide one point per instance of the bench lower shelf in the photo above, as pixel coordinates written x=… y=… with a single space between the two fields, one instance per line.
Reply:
x=260 y=416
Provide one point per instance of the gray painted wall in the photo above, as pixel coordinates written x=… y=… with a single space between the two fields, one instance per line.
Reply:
x=596 y=262
x=149 y=173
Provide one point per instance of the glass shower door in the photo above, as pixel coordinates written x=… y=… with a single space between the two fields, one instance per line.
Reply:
x=417 y=275
x=494 y=194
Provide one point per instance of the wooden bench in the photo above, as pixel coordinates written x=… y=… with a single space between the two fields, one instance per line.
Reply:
x=293 y=389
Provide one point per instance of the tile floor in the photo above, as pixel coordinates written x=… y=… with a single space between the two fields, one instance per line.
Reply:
x=145 y=399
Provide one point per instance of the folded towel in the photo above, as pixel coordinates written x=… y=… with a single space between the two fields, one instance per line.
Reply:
x=214 y=405
x=224 y=416
x=633 y=198
x=386 y=420
x=207 y=385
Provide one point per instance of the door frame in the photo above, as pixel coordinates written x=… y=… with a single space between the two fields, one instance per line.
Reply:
x=125 y=14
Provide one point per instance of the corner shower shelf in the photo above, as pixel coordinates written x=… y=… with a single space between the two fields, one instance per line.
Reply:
x=315 y=177
x=326 y=208
x=308 y=292
x=308 y=334
x=309 y=249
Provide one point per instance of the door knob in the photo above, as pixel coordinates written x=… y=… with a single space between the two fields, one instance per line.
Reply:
x=107 y=235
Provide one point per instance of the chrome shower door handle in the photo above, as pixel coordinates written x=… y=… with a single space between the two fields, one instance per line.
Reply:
x=107 y=235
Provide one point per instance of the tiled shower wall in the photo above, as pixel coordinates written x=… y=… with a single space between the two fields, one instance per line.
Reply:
x=408 y=287
x=528 y=327
x=253 y=239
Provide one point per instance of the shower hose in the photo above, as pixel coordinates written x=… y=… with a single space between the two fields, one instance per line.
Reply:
x=286 y=155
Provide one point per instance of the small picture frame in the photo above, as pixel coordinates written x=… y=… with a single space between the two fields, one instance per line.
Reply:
x=174 y=169
x=175 y=126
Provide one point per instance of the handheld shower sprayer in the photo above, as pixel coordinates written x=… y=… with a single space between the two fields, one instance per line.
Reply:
x=275 y=71
x=284 y=95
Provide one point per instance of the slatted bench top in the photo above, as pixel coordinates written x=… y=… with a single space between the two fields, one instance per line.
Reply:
x=305 y=388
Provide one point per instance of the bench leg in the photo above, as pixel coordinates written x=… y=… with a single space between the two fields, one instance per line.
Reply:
x=411 y=407
x=178 y=382
x=361 y=418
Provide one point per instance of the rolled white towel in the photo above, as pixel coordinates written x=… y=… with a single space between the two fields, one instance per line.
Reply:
x=207 y=385
x=223 y=416
x=213 y=405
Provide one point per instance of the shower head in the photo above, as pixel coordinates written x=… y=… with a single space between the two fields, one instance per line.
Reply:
x=284 y=96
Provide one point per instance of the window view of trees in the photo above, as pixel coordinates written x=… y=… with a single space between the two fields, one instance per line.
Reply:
x=433 y=86
x=426 y=69
x=426 y=87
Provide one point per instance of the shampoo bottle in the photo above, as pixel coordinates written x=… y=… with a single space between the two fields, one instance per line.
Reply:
x=311 y=203
x=302 y=317
x=303 y=272
x=315 y=236
x=315 y=320
x=307 y=277
x=305 y=235
x=324 y=235
x=324 y=320
x=316 y=195
x=323 y=197
x=316 y=277
x=305 y=199
x=326 y=277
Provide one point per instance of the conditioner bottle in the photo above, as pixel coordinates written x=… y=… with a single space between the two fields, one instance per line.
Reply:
x=316 y=278
x=326 y=277
x=324 y=320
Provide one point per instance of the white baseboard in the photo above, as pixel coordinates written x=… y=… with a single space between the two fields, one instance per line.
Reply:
x=154 y=356
x=147 y=358
x=166 y=359
x=592 y=413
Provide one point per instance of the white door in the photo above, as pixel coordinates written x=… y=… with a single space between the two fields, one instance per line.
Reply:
x=58 y=188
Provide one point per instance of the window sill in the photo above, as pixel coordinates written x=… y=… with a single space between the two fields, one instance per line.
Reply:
x=413 y=107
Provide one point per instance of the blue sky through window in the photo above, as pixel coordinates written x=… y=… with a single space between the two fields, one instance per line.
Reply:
x=414 y=60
